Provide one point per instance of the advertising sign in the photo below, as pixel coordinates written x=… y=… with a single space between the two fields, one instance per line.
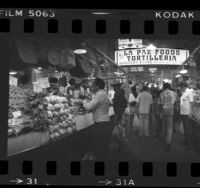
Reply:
x=129 y=43
x=159 y=56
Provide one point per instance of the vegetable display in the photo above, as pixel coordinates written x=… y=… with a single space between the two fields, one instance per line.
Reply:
x=17 y=100
x=60 y=118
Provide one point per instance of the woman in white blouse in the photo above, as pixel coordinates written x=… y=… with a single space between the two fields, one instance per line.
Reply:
x=132 y=105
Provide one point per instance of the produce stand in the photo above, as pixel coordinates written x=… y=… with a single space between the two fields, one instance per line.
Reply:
x=72 y=147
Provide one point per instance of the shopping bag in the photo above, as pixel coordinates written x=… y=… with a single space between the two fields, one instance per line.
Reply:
x=89 y=156
x=136 y=124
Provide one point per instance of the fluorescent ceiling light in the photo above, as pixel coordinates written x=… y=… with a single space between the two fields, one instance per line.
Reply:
x=119 y=73
x=100 y=13
x=39 y=68
x=80 y=51
x=12 y=73
x=184 y=71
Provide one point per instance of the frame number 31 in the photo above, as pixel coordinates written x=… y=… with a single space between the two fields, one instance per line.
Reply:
x=31 y=181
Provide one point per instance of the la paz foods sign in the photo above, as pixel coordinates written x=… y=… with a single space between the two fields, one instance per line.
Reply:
x=159 y=56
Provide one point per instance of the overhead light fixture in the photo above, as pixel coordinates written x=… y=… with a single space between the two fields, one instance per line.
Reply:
x=100 y=13
x=177 y=76
x=56 y=71
x=39 y=68
x=119 y=73
x=184 y=71
x=151 y=47
x=80 y=51
x=12 y=73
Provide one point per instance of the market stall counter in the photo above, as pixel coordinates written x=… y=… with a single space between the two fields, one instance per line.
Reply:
x=73 y=147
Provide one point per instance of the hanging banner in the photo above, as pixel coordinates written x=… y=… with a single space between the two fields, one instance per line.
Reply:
x=13 y=81
x=129 y=43
x=159 y=56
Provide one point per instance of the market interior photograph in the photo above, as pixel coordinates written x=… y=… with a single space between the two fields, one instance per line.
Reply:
x=104 y=99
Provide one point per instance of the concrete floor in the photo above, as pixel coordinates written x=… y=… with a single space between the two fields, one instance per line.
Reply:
x=149 y=149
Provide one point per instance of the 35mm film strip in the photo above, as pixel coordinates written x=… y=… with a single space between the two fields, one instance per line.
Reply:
x=100 y=97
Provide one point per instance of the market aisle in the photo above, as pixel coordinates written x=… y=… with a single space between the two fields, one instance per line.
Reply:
x=149 y=149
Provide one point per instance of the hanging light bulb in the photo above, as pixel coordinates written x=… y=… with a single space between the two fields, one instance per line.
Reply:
x=80 y=48
x=177 y=76
x=183 y=71
x=12 y=73
x=151 y=47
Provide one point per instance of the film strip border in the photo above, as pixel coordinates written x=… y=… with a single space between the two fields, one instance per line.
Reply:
x=118 y=24
x=97 y=172
x=71 y=24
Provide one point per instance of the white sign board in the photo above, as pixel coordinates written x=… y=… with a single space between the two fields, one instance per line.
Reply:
x=13 y=81
x=159 y=56
x=43 y=82
x=129 y=43
x=37 y=88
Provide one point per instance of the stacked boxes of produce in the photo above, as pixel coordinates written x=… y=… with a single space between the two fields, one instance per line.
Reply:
x=60 y=117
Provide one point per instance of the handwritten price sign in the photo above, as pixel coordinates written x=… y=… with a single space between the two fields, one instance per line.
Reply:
x=13 y=81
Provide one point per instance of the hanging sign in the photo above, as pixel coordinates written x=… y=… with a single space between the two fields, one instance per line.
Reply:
x=159 y=56
x=13 y=81
x=136 y=69
x=129 y=43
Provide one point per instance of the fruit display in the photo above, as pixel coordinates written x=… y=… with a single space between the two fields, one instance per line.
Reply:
x=78 y=108
x=17 y=99
x=16 y=125
x=60 y=118
x=38 y=112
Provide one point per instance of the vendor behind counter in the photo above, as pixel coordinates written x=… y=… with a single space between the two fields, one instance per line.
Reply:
x=100 y=132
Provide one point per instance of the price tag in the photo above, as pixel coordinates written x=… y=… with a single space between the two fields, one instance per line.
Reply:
x=13 y=81
x=17 y=114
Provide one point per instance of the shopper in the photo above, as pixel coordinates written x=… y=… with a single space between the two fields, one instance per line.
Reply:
x=158 y=116
x=119 y=105
x=132 y=107
x=186 y=111
x=100 y=132
x=167 y=99
x=144 y=101
x=154 y=113
x=177 y=113
x=111 y=93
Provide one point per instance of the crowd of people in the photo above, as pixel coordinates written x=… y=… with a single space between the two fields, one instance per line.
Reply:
x=157 y=110
x=150 y=109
